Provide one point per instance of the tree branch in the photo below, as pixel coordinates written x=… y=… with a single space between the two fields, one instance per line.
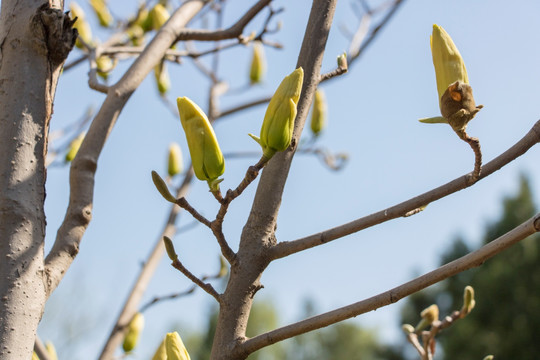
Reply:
x=471 y=260
x=232 y=32
x=84 y=165
x=205 y=286
x=290 y=247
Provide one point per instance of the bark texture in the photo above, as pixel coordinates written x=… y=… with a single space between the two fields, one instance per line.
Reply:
x=34 y=42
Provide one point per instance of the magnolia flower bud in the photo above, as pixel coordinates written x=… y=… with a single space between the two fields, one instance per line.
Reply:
x=468 y=300
x=162 y=78
x=102 y=12
x=456 y=100
x=134 y=330
x=175 y=160
x=407 y=328
x=489 y=357
x=104 y=66
x=223 y=269
x=74 y=147
x=278 y=123
x=342 y=61
x=175 y=347
x=161 y=352
x=158 y=16
x=318 y=114
x=82 y=26
x=35 y=356
x=206 y=157
x=258 y=66
x=429 y=315
x=51 y=351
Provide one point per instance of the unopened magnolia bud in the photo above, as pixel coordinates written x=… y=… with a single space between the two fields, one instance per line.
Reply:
x=429 y=315
x=102 y=12
x=169 y=247
x=104 y=66
x=342 y=61
x=175 y=347
x=489 y=357
x=161 y=352
x=82 y=26
x=74 y=147
x=278 y=124
x=176 y=164
x=34 y=356
x=206 y=157
x=162 y=78
x=136 y=34
x=161 y=186
x=51 y=351
x=456 y=100
x=158 y=16
x=223 y=269
x=318 y=114
x=258 y=66
x=468 y=300
x=135 y=328
x=407 y=328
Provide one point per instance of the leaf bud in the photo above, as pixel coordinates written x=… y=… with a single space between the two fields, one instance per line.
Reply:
x=278 y=124
x=407 y=328
x=162 y=187
x=169 y=247
x=175 y=347
x=468 y=300
x=342 y=61
x=206 y=157
x=429 y=315
x=258 y=66
x=319 y=113
x=489 y=357
x=51 y=351
x=74 y=147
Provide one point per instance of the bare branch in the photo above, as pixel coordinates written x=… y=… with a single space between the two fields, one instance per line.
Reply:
x=41 y=350
x=232 y=32
x=471 y=260
x=205 y=286
x=183 y=203
x=290 y=247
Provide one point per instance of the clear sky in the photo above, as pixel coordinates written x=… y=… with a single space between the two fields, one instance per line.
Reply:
x=373 y=112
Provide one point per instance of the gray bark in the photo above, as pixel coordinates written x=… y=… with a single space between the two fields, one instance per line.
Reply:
x=34 y=42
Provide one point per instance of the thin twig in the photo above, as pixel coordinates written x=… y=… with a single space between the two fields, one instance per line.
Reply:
x=474 y=143
x=41 y=350
x=290 y=247
x=469 y=261
x=205 y=286
x=184 y=204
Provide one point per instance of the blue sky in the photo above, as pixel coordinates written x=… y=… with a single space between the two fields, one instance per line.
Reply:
x=373 y=112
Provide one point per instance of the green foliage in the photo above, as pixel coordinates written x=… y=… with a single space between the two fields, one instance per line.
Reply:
x=507 y=313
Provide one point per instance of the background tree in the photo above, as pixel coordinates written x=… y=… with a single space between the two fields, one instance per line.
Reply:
x=35 y=39
x=505 y=321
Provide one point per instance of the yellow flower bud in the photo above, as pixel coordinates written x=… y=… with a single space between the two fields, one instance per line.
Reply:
x=175 y=160
x=104 y=66
x=407 y=328
x=223 y=269
x=82 y=26
x=34 y=356
x=102 y=11
x=489 y=357
x=158 y=16
x=134 y=330
x=161 y=352
x=51 y=351
x=74 y=147
x=175 y=347
x=342 y=61
x=206 y=157
x=258 y=66
x=468 y=300
x=278 y=123
x=318 y=114
x=449 y=66
x=456 y=100
x=143 y=19
x=136 y=34
x=162 y=78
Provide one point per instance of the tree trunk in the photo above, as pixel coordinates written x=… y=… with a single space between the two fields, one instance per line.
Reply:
x=34 y=42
